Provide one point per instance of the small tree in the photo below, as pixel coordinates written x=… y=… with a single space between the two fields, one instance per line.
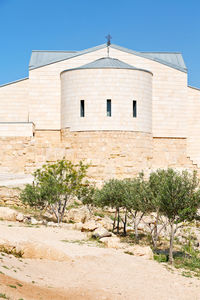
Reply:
x=154 y=185
x=137 y=200
x=87 y=194
x=54 y=185
x=179 y=199
x=112 y=194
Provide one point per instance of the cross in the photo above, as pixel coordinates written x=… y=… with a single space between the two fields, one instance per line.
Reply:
x=108 y=37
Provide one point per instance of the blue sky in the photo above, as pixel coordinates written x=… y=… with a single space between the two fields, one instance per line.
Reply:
x=143 y=25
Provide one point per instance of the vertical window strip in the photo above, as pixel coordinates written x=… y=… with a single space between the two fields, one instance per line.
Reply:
x=134 y=109
x=82 y=108
x=108 y=107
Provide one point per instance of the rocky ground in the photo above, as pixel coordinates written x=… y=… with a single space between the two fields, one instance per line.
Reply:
x=64 y=263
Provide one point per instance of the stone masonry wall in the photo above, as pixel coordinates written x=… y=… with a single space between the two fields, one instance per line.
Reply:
x=110 y=154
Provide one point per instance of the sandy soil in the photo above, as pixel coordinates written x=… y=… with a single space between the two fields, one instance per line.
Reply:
x=90 y=272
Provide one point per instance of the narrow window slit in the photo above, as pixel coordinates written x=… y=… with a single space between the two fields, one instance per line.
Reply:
x=82 y=108
x=108 y=108
x=134 y=109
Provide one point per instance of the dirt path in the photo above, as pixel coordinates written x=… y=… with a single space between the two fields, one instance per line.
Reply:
x=90 y=273
x=15 y=289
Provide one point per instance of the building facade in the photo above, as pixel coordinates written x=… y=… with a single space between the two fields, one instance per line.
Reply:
x=124 y=113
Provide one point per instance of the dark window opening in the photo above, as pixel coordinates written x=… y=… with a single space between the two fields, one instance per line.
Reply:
x=134 y=109
x=82 y=108
x=108 y=108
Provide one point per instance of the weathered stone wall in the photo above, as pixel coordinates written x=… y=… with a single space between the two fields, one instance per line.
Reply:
x=10 y=197
x=109 y=153
x=171 y=152
x=14 y=100
x=193 y=121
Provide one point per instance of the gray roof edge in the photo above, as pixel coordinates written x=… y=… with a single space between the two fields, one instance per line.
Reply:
x=16 y=81
x=67 y=51
x=193 y=87
x=174 y=52
x=141 y=54
x=75 y=55
x=131 y=69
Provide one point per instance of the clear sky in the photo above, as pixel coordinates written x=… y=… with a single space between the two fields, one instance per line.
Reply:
x=141 y=25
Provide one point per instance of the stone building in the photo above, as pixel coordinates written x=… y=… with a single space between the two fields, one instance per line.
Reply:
x=122 y=113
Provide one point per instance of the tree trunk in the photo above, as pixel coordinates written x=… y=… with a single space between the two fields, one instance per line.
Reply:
x=125 y=222
x=118 y=221
x=58 y=218
x=136 y=228
x=171 y=244
x=114 y=222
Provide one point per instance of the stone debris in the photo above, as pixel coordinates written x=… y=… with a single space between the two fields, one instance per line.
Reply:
x=101 y=233
x=89 y=226
x=8 y=214
x=144 y=251
x=111 y=242
x=20 y=217
x=78 y=215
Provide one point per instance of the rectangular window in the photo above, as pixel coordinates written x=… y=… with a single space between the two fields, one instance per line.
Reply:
x=108 y=108
x=134 y=109
x=82 y=108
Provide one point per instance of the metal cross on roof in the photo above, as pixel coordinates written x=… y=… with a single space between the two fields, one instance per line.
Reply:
x=108 y=37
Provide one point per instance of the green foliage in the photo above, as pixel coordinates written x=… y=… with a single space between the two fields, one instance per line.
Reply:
x=12 y=286
x=112 y=194
x=137 y=200
x=161 y=257
x=177 y=197
x=187 y=259
x=87 y=195
x=3 y=296
x=11 y=251
x=137 y=194
x=53 y=186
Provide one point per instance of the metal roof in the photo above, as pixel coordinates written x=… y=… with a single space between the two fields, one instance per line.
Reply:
x=174 y=58
x=107 y=63
x=42 y=58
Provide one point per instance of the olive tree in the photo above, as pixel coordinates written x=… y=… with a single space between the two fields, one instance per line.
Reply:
x=54 y=185
x=156 y=226
x=112 y=194
x=179 y=199
x=137 y=199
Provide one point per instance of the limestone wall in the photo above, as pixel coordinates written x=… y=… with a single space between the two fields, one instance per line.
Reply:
x=10 y=197
x=45 y=90
x=16 y=129
x=110 y=154
x=171 y=152
x=169 y=95
x=95 y=86
x=169 y=92
x=14 y=102
x=193 y=120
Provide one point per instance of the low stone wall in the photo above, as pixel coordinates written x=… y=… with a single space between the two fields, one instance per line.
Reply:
x=171 y=152
x=110 y=153
x=10 y=197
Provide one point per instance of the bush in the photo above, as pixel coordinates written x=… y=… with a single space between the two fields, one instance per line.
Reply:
x=178 y=198
x=54 y=185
